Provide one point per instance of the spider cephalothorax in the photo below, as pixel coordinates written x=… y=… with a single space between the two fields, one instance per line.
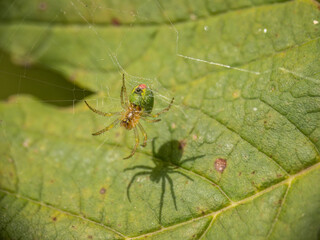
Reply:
x=138 y=106
x=131 y=117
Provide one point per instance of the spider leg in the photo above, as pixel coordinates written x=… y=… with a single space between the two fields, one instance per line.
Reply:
x=151 y=120
x=144 y=135
x=114 y=123
x=101 y=113
x=163 y=111
x=136 y=136
x=124 y=102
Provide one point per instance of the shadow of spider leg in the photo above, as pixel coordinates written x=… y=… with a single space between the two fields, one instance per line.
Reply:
x=136 y=175
x=160 y=173
x=171 y=183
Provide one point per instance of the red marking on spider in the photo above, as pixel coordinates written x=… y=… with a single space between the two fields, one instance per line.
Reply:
x=142 y=86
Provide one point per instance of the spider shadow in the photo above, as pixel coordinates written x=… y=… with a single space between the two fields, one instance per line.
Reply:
x=167 y=161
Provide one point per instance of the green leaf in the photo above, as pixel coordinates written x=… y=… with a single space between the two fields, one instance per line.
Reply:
x=236 y=157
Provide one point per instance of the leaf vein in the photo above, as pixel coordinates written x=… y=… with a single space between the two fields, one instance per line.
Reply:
x=238 y=134
x=304 y=134
x=207 y=228
x=279 y=211
x=43 y=204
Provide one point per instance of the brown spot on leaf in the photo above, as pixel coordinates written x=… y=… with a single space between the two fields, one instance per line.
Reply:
x=200 y=210
x=73 y=77
x=54 y=219
x=90 y=237
x=115 y=22
x=253 y=172
x=279 y=175
x=26 y=143
x=240 y=173
x=236 y=94
x=102 y=191
x=51 y=181
x=193 y=17
x=182 y=144
x=220 y=164
x=42 y=6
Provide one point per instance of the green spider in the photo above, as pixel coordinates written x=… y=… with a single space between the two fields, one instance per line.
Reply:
x=138 y=106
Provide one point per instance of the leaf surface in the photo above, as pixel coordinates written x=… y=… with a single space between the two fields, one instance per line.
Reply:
x=237 y=156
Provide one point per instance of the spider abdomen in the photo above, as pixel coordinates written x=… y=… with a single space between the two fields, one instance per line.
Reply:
x=142 y=96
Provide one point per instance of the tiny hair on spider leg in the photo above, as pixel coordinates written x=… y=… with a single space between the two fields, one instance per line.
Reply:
x=138 y=105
